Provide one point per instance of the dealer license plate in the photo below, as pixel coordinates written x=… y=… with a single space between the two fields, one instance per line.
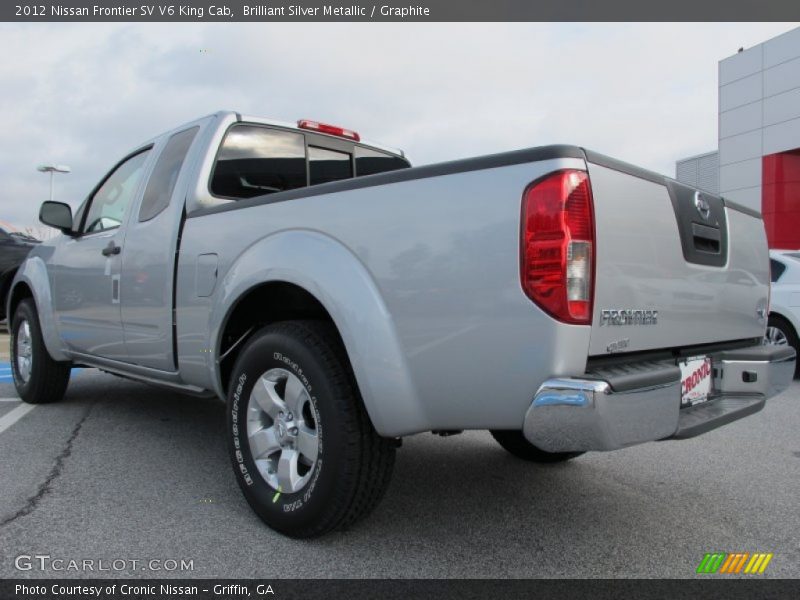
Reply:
x=696 y=376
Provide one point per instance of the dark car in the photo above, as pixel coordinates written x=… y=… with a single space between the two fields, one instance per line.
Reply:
x=14 y=247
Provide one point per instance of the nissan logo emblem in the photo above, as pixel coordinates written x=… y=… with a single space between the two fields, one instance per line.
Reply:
x=702 y=206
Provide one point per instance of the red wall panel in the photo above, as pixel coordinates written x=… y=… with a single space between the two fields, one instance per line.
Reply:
x=780 y=198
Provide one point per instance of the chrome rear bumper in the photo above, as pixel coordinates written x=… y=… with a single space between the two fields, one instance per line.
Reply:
x=574 y=414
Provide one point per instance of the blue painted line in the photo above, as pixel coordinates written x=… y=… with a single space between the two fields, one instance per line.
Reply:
x=7 y=377
x=5 y=373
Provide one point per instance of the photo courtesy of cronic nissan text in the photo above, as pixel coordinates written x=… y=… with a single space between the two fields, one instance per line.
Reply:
x=445 y=299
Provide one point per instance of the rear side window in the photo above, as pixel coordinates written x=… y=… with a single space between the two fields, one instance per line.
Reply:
x=254 y=161
x=328 y=165
x=162 y=182
x=370 y=162
x=776 y=269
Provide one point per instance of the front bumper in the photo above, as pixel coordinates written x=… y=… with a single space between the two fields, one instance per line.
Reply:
x=615 y=408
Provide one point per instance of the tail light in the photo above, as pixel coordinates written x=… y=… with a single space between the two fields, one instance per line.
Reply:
x=558 y=245
x=329 y=129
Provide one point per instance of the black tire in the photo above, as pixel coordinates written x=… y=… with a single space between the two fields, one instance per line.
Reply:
x=515 y=443
x=351 y=476
x=778 y=322
x=47 y=380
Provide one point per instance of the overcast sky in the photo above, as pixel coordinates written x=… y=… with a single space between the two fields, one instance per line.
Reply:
x=84 y=94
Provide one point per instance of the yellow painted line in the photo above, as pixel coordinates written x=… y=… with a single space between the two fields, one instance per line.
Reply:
x=767 y=558
x=749 y=566
x=754 y=566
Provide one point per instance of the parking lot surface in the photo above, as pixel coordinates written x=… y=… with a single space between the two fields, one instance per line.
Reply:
x=123 y=471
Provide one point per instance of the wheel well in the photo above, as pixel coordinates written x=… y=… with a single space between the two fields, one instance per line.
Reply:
x=7 y=278
x=777 y=315
x=262 y=305
x=20 y=292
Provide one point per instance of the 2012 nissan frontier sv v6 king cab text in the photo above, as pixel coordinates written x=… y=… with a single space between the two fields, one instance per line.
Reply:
x=340 y=300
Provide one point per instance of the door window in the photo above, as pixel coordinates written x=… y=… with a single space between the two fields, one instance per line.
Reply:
x=108 y=205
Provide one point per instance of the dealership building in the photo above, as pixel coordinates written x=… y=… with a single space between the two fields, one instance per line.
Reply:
x=758 y=161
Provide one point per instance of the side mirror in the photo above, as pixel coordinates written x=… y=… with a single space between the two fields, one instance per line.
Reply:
x=58 y=215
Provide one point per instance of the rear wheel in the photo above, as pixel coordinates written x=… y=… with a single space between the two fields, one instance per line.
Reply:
x=304 y=451
x=515 y=443
x=781 y=333
x=38 y=378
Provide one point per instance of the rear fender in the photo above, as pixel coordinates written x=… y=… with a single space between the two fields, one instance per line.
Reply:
x=341 y=283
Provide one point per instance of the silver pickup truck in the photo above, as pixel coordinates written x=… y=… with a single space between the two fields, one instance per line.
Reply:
x=340 y=300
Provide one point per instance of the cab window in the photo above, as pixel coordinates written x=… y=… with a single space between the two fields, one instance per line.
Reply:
x=326 y=165
x=254 y=161
x=370 y=162
x=107 y=206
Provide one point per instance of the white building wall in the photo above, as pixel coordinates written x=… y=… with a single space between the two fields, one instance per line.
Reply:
x=741 y=92
x=759 y=113
x=700 y=171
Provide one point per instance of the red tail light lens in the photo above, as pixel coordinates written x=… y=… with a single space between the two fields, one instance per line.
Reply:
x=558 y=245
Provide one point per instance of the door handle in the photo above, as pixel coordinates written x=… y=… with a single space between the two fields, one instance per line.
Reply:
x=111 y=249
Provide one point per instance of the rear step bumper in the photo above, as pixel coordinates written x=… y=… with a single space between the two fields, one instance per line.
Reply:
x=641 y=403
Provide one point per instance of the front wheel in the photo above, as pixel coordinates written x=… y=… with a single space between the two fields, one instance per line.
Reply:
x=303 y=448
x=38 y=378
x=515 y=443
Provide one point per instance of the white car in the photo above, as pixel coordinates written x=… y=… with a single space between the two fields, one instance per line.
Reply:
x=784 y=312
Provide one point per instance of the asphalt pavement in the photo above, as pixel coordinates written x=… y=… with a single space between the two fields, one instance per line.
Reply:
x=122 y=471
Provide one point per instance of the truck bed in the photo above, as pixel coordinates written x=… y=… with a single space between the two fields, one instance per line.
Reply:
x=441 y=244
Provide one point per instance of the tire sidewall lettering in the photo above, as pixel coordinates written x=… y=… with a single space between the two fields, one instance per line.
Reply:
x=235 y=430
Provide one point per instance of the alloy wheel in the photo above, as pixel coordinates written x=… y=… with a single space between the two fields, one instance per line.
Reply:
x=24 y=351
x=775 y=337
x=282 y=430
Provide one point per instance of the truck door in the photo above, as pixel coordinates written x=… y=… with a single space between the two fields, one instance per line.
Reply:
x=148 y=262
x=86 y=267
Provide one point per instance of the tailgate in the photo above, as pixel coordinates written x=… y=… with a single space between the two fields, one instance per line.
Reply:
x=674 y=267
